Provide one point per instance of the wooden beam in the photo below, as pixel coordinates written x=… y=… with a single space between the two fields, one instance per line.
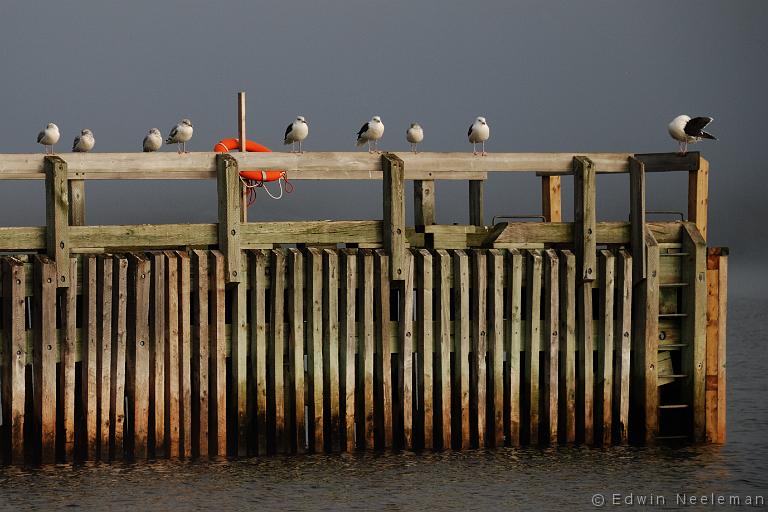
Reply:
x=394 y=214
x=663 y=162
x=14 y=360
x=637 y=218
x=423 y=203
x=551 y=201
x=76 y=202
x=44 y=358
x=57 y=217
x=698 y=196
x=229 y=215
x=717 y=308
x=476 y=206
x=585 y=223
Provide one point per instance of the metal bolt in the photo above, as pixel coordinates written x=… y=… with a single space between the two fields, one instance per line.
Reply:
x=626 y=334
x=554 y=333
x=143 y=276
x=399 y=231
x=589 y=271
x=482 y=333
x=63 y=278
x=662 y=335
x=233 y=231
x=141 y=343
x=408 y=334
x=49 y=279
x=18 y=281
x=399 y=271
x=61 y=244
x=589 y=231
x=49 y=347
x=18 y=352
x=651 y=367
x=234 y=273
x=653 y=274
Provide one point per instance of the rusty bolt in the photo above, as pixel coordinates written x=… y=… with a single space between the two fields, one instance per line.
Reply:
x=662 y=335
x=18 y=352
x=49 y=279
x=399 y=231
x=63 y=278
x=233 y=231
x=61 y=244
x=141 y=343
x=49 y=347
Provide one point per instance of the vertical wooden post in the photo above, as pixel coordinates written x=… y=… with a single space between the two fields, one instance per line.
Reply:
x=423 y=204
x=331 y=343
x=717 y=294
x=314 y=299
x=185 y=353
x=365 y=341
x=277 y=345
x=394 y=213
x=172 y=430
x=230 y=199
x=605 y=347
x=495 y=346
x=645 y=341
x=44 y=357
x=461 y=341
x=406 y=350
x=14 y=356
x=424 y=347
x=258 y=341
x=76 y=202
x=103 y=351
x=383 y=344
x=67 y=360
x=157 y=356
x=514 y=343
x=117 y=387
x=200 y=357
x=637 y=218
x=568 y=347
x=585 y=223
x=551 y=200
x=698 y=196
x=550 y=344
x=296 y=345
x=137 y=385
x=57 y=216
x=476 y=203
x=479 y=344
x=443 y=350
x=533 y=345
x=623 y=340
x=88 y=354
x=347 y=349
x=218 y=357
x=243 y=142
x=239 y=357
x=694 y=325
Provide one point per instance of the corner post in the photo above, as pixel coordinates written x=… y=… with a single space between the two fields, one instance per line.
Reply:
x=551 y=200
x=585 y=224
x=476 y=210
x=57 y=217
x=698 y=196
x=394 y=214
x=637 y=219
x=230 y=201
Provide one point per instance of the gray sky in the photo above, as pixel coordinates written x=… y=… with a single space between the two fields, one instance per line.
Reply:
x=549 y=76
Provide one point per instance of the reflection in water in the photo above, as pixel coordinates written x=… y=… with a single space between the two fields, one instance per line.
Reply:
x=500 y=479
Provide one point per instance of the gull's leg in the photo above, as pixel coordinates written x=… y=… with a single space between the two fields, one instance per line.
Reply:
x=474 y=148
x=484 y=153
x=370 y=148
x=685 y=147
x=301 y=151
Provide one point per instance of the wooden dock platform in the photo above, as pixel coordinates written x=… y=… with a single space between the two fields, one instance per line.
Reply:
x=246 y=337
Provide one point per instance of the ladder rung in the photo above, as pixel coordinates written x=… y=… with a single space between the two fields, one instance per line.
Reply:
x=672 y=346
x=672 y=285
x=674 y=254
x=673 y=315
x=671 y=376
x=674 y=406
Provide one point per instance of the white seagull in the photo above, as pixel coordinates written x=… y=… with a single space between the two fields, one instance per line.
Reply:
x=153 y=141
x=84 y=142
x=180 y=135
x=49 y=137
x=414 y=135
x=297 y=131
x=479 y=132
x=689 y=131
x=371 y=132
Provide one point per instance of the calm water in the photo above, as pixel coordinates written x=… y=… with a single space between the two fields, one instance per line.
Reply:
x=499 y=480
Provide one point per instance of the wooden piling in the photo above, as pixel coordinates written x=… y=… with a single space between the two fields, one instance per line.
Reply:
x=347 y=345
x=331 y=345
x=605 y=348
x=568 y=346
x=423 y=418
x=257 y=411
x=296 y=346
x=550 y=344
x=67 y=348
x=137 y=373
x=515 y=343
x=14 y=360
x=44 y=357
x=496 y=347
x=442 y=370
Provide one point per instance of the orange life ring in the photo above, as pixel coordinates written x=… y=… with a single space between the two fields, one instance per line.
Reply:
x=227 y=145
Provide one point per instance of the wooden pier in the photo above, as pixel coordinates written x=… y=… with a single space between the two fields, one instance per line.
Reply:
x=247 y=338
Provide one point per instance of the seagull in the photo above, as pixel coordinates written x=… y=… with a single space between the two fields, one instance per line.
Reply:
x=49 y=137
x=84 y=142
x=180 y=134
x=689 y=131
x=371 y=132
x=297 y=131
x=414 y=135
x=479 y=132
x=153 y=141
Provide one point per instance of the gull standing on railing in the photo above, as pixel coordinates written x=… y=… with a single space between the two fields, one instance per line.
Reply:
x=689 y=131
x=153 y=141
x=371 y=132
x=479 y=131
x=297 y=131
x=414 y=135
x=180 y=135
x=49 y=137
x=84 y=142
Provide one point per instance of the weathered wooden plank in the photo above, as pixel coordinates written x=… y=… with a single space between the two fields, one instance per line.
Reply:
x=382 y=272
x=717 y=289
x=172 y=419
x=605 y=347
x=584 y=215
x=314 y=298
x=57 y=216
x=514 y=341
x=296 y=346
x=185 y=353
x=217 y=422
x=423 y=203
x=365 y=348
x=239 y=358
x=550 y=345
x=117 y=372
x=478 y=389
x=694 y=325
x=347 y=348
x=442 y=370
x=476 y=203
x=645 y=341
x=698 y=196
x=137 y=373
x=331 y=343
x=140 y=236
x=14 y=360
x=568 y=346
x=76 y=202
x=585 y=356
x=662 y=162
x=228 y=185
x=104 y=351
x=67 y=361
x=623 y=345
x=278 y=347
x=423 y=418
x=44 y=357
x=637 y=219
x=157 y=357
x=394 y=213
x=496 y=347
x=258 y=341
x=551 y=200
x=461 y=344
x=532 y=346
x=200 y=354
x=311 y=232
